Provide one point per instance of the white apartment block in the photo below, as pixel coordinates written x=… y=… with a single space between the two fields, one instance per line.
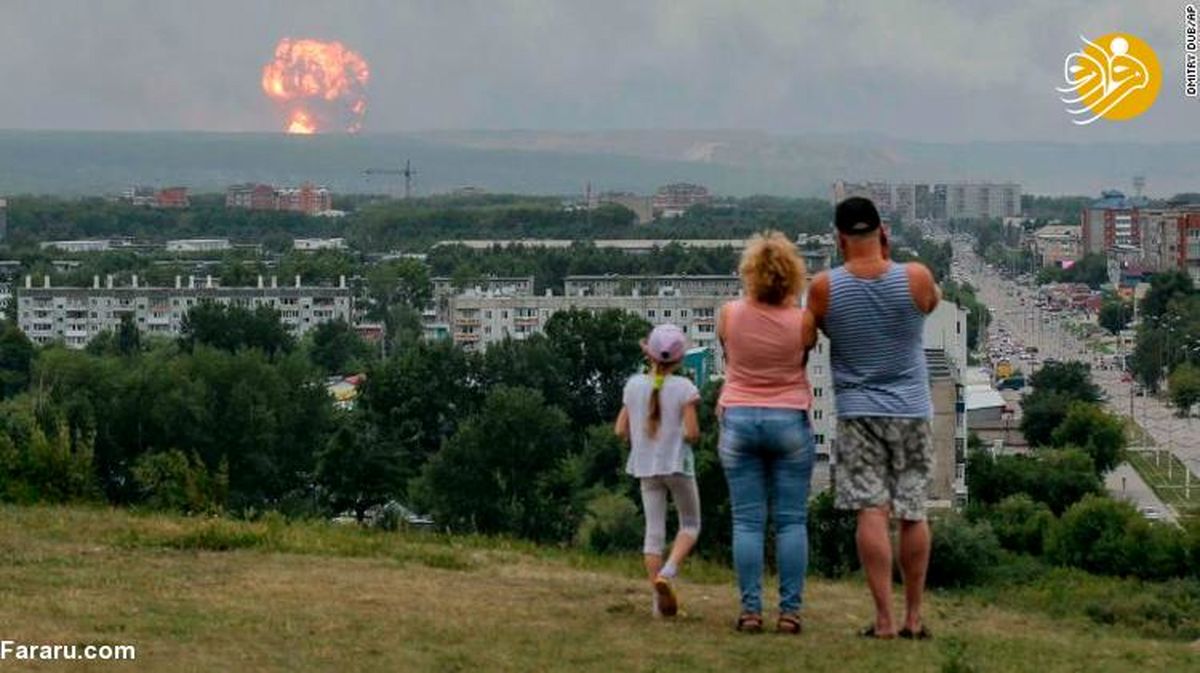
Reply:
x=198 y=245
x=74 y=315
x=310 y=244
x=682 y=285
x=479 y=320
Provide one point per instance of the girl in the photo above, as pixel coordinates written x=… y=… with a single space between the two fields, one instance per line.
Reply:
x=659 y=421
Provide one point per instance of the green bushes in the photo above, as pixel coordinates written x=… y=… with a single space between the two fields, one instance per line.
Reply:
x=40 y=467
x=963 y=552
x=1056 y=477
x=832 y=551
x=172 y=481
x=1107 y=537
x=612 y=523
x=1021 y=525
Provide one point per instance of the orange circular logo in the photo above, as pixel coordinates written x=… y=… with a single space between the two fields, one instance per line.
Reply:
x=1116 y=76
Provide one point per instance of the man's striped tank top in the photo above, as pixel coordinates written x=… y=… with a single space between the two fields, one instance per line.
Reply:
x=876 y=346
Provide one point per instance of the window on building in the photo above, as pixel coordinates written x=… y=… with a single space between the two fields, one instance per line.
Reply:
x=649 y=313
x=666 y=313
x=818 y=414
x=817 y=392
x=819 y=439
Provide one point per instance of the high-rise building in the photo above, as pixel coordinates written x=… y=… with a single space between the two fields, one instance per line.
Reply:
x=941 y=201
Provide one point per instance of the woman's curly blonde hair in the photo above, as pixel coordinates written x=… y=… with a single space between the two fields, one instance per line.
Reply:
x=771 y=269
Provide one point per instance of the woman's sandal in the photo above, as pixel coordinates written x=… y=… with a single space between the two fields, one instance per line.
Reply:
x=790 y=624
x=749 y=623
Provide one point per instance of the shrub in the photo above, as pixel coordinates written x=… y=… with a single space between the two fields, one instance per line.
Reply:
x=1104 y=536
x=963 y=553
x=1056 y=477
x=1020 y=524
x=612 y=524
x=170 y=481
x=832 y=550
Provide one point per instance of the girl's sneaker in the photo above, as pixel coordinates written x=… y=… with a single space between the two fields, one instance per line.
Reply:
x=668 y=603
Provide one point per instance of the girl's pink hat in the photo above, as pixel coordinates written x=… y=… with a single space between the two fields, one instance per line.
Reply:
x=665 y=345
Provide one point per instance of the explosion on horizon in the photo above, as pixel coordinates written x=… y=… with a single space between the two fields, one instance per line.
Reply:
x=321 y=86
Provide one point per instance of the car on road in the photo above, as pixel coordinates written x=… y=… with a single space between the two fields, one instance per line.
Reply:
x=1152 y=513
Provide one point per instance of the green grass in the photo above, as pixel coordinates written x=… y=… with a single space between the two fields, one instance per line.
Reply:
x=199 y=594
x=1168 y=477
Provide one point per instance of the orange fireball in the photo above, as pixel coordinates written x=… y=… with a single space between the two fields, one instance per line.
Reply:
x=319 y=85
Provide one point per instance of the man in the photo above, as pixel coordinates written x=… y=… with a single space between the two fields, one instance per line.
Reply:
x=873 y=311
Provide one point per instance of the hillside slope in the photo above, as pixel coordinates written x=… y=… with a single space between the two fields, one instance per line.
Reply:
x=319 y=598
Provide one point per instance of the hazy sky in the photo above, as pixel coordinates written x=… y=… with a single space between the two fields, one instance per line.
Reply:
x=919 y=69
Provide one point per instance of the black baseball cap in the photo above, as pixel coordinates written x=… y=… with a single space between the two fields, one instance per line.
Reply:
x=856 y=215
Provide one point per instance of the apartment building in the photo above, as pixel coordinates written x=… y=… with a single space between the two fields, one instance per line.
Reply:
x=674 y=199
x=729 y=285
x=198 y=245
x=1112 y=220
x=1055 y=244
x=480 y=319
x=74 y=315
x=313 y=244
x=307 y=198
x=938 y=201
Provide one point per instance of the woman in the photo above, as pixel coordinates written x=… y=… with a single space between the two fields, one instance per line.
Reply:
x=766 y=443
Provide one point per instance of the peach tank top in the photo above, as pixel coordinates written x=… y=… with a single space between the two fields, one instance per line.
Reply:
x=764 y=358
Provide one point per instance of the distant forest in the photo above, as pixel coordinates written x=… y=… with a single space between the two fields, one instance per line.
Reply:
x=374 y=224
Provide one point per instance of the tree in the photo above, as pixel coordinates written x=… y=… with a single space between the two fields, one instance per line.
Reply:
x=129 y=339
x=337 y=349
x=1021 y=524
x=1097 y=432
x=357 y=470
x=1184 y=387
x=493 y=475
x=1056 y=477
x=1071 y=378
x=1115 y=315
x=418 y=397
x=16 y=358
x=404 y=281
x=532 y=362
x=1165 y=287
x=600 y=351
x=1109 y=537
x=1041 y=414
x=231 y=328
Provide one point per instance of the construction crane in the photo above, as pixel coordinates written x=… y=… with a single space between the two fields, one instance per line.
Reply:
x=407 y=172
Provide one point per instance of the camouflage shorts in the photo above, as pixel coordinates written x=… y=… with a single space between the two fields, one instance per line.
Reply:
x=882 y=462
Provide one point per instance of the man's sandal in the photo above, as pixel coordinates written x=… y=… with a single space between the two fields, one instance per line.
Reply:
x=869 y=632
x=789 y=623
x=920 y=634
x=749 y=623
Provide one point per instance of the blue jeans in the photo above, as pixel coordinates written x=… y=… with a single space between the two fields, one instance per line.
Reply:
x=768 y=453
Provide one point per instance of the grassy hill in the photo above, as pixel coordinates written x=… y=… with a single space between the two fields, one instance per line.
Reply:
x=209 y=595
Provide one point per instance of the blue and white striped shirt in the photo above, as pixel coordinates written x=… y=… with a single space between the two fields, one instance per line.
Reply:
x=876 y=346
